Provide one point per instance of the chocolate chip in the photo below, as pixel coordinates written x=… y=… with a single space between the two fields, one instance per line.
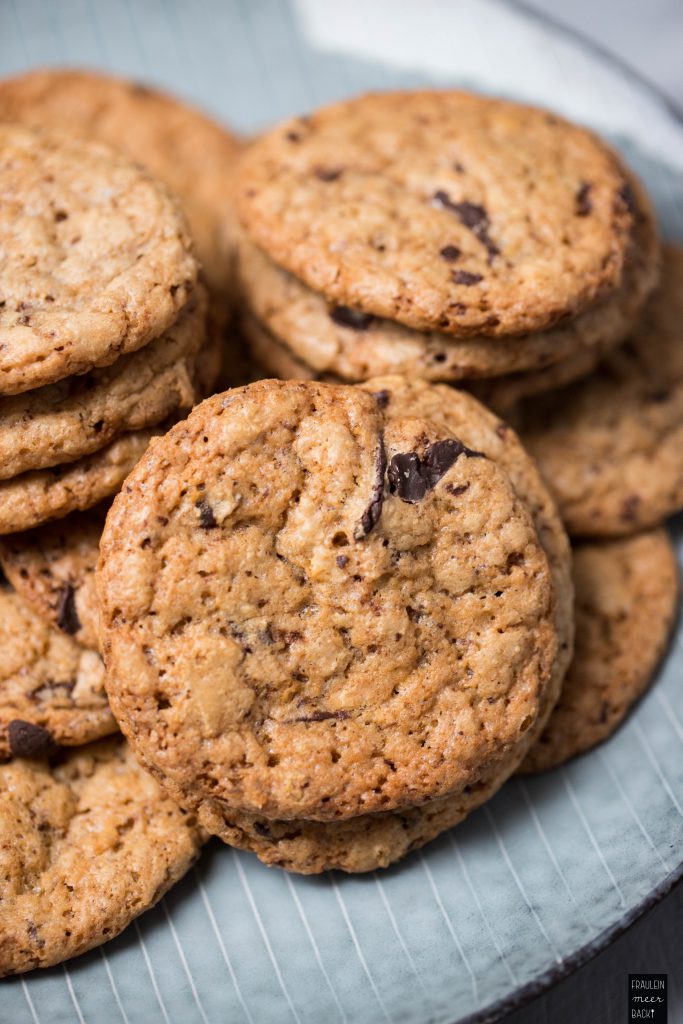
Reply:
x=323 y=716
x=29 y=740
x=328 y=173
x=466 y=278
x=60 y=215
x=382 y=398
x=32 y=931
x=410 y=477
x=342 y=561
x=293 y=137
x=627 y=199
x=207 y=520
x=450 y=253
x=370 y=517
x=455 y=491
x=472 y=216
x=584 y=203
x=629 y=508
x=262 y=829
x=67 y=616
x=344 y=316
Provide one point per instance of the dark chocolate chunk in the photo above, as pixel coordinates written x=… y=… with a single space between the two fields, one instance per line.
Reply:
x=342 y=561
x=67 y=616
x=584 y=203
x=328 y=173
x=382 y=398
x=472 y=216
x=29 y=740
x=410 y=477
x=370 y=517
x=207 y=520
x=455 y=491
x=344 y=316
x=450 y=253
x=629 y=508
x=465 y=277
x=323 y=716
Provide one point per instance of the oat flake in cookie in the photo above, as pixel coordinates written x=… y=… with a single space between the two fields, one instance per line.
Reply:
x=441 y=210
x=95 y=258
x=94 y=843
x=308 y=609
x=51 y=688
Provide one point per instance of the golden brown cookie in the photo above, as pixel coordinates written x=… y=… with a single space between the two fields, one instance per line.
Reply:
x=68 y=420
x=44 y=494
x=95 y=258
x=356 y=606
x=87 y=844
x=52 y=568
x=51 y=688
x=192 y=154
x=610 y=446
x=626 y=594
x=442 y=210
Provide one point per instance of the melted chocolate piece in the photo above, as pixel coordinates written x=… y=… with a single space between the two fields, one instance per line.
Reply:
x=323 y=716
x=207 y=520
x=411 y=477
x=382 y=398
x=472 y=216
x=584 y=203
x=465 y=277
x=370 y=517
x=450 y=253
x=29 y=740
x=67 y=616
x=356 y=319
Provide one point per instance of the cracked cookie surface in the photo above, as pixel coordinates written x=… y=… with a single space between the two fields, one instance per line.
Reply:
x=96 y=258
x=610 y=446
x=88 y=844
x=309 y=609
x=51 y=688
x=626 y=595
x=441 y=210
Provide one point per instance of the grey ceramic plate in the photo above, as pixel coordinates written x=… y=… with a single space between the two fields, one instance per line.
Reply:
x=554 y=866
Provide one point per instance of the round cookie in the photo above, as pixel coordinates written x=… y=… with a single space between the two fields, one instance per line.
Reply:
x=52 y=568
x=96 y=258
x=94 y=843
x=377 y=840
x=357 y=609
x=610 y=446
x=626 y=595
x=65 y=421
x=51 y=688
x=190 y=153
x=441 y=210
x=44 y=494
x=354 y=345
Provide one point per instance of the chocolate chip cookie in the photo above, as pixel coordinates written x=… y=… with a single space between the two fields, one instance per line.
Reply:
x=96 y=259
x=610 y=446
x=626 y=593
x=52 y=568
x=44 y=494
x=441 y=210
x=51 y=688
x=357 y=609
x=88 y=844
x=65 y=421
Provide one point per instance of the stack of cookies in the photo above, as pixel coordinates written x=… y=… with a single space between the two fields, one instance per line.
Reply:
x=336 y=611
x=440 y=235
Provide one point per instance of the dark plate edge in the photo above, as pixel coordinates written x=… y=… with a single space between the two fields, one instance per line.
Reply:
x=527 y=993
